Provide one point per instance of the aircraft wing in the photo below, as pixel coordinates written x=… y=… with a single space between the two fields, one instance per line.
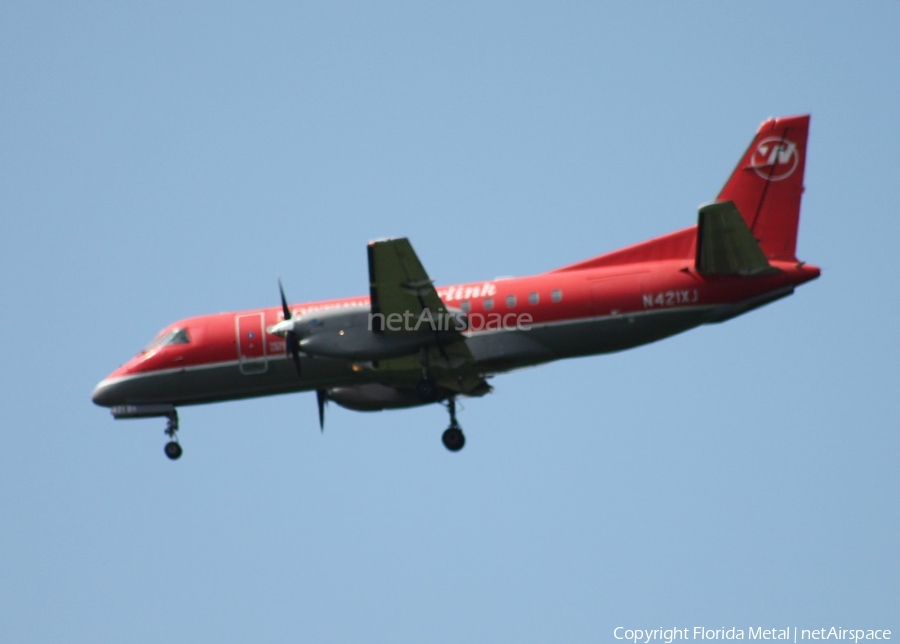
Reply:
x=452 y=367
x=398 y=284
x=725 y=245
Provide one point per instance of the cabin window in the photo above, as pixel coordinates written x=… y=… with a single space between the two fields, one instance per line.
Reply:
x=533 y=298
x=465 y=305
x=488 y=303
x=510 y=301
x=556 y=295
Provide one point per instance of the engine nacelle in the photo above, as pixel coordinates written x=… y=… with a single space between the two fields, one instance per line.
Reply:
x=374 y=397
x=348 y=334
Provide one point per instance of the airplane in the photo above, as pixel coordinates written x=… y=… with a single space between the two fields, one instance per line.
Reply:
x=409 y=343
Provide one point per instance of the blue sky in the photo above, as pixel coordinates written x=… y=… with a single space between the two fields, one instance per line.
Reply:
x=171 y=159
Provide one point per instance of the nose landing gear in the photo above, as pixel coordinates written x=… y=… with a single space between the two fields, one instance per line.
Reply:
x=173 y=448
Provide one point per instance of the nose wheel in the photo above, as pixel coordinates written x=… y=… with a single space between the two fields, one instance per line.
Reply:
x=453 y=437
x=173 y=448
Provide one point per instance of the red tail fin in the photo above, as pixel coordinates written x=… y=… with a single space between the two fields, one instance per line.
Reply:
x=767 y=184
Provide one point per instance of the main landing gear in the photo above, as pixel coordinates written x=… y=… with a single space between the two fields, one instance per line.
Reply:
x=426 y=387
x=428 y=391
x=453 y=437
x=173 y=448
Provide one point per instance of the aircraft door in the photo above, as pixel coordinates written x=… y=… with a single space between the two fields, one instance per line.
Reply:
x=251 y=343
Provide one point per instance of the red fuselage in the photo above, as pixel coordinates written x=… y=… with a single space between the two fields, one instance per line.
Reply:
x=567 y=313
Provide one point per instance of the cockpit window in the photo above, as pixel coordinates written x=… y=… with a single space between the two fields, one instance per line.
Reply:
x=175 y=336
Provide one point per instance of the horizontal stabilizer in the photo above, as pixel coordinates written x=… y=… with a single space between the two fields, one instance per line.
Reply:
x=725 y=245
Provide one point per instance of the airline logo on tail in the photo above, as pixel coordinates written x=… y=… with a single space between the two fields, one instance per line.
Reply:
x=775 y=158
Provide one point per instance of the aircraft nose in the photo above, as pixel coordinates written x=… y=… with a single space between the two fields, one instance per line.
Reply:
x=105 y=394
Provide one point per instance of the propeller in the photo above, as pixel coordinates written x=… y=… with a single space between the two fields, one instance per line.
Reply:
x=290 y=337
x=292 y=342
x=321 y=399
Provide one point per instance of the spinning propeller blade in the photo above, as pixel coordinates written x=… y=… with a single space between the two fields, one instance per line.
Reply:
x=321 y=399
x=293 y=350
x=290 y=339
